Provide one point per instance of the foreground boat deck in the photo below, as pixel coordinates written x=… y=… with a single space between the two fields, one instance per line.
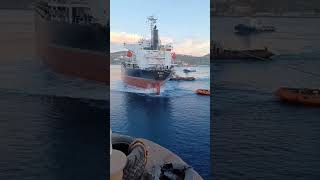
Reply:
x=158 y=155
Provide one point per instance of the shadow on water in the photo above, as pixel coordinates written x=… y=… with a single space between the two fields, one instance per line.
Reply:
x=81 y=138
x=52 y=137
x=148 y=115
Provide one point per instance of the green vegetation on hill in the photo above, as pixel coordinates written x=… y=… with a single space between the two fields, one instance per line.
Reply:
x=115 y=57
x=202 y=60
x=272 y=6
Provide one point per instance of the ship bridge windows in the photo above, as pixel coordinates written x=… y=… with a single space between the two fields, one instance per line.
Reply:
x=81 y=15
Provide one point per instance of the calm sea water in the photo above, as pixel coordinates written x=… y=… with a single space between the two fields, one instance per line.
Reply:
x=51 y=126
x=255 y=136
x=178 y=119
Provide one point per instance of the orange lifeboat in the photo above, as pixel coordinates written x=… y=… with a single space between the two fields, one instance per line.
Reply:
x=299 y=95
x=203 y=92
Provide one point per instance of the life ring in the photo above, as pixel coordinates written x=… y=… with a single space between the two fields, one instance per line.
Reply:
x=173 y=55
x=129 y=53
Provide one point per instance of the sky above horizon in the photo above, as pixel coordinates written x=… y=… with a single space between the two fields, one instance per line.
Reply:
x=185 y=24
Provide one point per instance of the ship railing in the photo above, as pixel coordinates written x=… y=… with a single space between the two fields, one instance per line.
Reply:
x=41 y=9
x=59 y=17
x=162 y=67
x=130 y=65
x=83 y=20
x=42 y=12
x=62 y=16
x=58 y=1
x=152 y=68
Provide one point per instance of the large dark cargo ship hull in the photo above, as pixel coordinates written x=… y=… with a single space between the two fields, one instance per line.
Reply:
x=147 y=79
x=73 y=49
x=80 y=63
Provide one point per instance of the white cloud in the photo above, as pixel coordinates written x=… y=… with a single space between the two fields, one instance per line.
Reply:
x=188 y=46
x=166 y=40
x=121 y=37
x=193 y=46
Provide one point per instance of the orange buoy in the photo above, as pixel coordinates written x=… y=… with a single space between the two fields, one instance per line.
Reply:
x=204 y=92
x=299 y=95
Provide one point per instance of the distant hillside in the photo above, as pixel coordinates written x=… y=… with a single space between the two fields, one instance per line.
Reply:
x=116 y=56
x=203 y=60
x=234 y=7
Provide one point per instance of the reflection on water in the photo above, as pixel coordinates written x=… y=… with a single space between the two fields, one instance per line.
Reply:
x=51 y=137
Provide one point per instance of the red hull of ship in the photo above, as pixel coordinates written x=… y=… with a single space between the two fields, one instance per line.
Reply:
x=143 y=83
x=76 y=62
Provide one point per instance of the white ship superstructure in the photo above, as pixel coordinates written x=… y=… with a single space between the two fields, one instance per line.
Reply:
x=149 y=53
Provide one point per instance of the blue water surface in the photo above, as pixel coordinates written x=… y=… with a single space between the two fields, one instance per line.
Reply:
x=177 y=119
x=255 y=135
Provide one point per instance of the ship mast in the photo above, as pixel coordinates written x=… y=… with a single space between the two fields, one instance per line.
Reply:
x=214 y=8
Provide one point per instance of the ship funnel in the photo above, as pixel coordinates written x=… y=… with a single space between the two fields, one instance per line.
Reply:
x=154 y=33
x=155 y=39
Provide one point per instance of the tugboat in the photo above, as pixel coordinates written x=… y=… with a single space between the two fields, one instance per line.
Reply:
x=188 y=70
x=179 y=78
x=149 y=63
x=299 y=95
x=219 y=53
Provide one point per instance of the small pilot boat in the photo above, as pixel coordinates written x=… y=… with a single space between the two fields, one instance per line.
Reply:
x=203 y=92
x=187 y=70
x=299 y=95
x=253 y=26
x=243 y=29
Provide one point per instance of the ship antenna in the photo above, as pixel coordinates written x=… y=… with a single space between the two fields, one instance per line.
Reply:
x=214 y=7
